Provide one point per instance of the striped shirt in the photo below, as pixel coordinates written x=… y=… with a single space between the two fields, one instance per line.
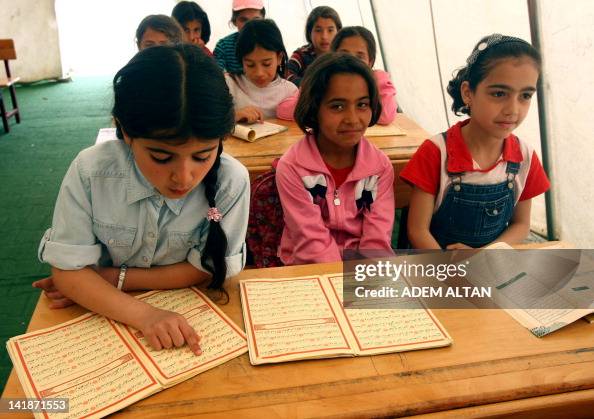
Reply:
x=301 y=58
x=225 y=56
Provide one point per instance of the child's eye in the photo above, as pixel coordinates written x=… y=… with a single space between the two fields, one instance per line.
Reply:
x=498 y=93
x=527 y=96
x=160 y=160
x=363 y=105
x=337 y=106
x=201 y=159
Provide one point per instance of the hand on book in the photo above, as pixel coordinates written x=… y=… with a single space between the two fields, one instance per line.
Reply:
x=166 y=329
x=249 y=114
x=57 y=299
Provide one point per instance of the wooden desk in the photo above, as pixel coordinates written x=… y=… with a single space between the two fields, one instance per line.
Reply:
x=494 y=367
x=258 y=156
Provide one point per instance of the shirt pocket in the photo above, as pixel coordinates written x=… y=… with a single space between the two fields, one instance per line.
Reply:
x=117 y=239
x=497 y=213
x=179 y=244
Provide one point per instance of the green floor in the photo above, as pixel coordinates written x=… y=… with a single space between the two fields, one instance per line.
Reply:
x=58 y=120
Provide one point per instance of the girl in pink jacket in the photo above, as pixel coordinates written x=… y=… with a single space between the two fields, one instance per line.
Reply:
x=335 y=186
x=359 y=42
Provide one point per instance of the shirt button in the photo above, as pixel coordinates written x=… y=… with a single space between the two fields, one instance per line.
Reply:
x=495 y=212
x=145 y=258
x=111 y=242
x=151 y=235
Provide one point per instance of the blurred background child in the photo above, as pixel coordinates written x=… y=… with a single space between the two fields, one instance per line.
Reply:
x=243 y=12
x=322 y=24
x=158 y=30
x=194 y=21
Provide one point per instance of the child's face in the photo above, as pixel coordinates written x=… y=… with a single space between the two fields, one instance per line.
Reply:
x=192 y=32
x=151 y=38
x=245 y=16
x=322 y=34
x=174 y=169
x=357 y=47
x=260 y=65
x=344 y=113
x=501 y=101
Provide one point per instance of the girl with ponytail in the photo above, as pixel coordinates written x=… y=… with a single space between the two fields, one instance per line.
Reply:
x=474 y=184
x=162 y=208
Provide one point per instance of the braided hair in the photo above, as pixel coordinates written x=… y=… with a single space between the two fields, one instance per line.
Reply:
x=174 y=93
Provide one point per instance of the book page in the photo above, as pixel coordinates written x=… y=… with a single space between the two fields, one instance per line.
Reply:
x=290 y=319
x=542 y=295
x=85 y=360
x=251 y=132
x=384 y=130
x=385 y=330
x=221 y=339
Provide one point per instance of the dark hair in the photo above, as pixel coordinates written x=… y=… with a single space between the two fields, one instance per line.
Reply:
x=315 y=83
x=160 y=23
x=325 y=12
x=265 y=34
x=235 y=14
x=351 y=31
x=187 y=11
x=172 y=93
x=484 y=57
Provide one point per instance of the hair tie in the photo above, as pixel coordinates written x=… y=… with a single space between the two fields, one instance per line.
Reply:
x=214 y=215
x=488 y=42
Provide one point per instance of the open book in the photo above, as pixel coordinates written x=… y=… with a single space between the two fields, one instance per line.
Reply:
x=384 y=130
x=251 y=132
x=303 y=318
x=544 y=290
x=102 y=366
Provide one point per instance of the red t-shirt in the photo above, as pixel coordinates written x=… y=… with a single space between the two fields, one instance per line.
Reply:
x=427 y=168
x=339 y=175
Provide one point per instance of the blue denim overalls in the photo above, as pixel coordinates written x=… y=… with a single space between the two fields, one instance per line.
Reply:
x=474 y=214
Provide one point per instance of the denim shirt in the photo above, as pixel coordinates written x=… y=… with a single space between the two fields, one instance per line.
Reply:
x=108 y=214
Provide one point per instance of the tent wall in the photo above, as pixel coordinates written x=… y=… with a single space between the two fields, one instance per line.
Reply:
x=32 y=25
x=568 y=43
x=426 y=41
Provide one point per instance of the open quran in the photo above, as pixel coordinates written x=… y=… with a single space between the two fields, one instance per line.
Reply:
x=102 y=366
x=304 y=318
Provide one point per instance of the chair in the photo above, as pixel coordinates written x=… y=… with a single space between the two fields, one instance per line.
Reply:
x=7 y=52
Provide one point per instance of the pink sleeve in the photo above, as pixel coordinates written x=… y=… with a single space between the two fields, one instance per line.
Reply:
x=424 y=168
x=311 y=240
x=379 y=222
x=286 y=107
x=387 y=93
x=537 y=181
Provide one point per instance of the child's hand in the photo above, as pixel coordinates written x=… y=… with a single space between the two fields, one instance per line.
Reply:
x=166 y=329
x=249 y=114
x=57 y=299
x=456 y=246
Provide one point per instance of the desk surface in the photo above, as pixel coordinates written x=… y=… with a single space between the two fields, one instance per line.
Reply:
x=495 y=366
x=261 y=153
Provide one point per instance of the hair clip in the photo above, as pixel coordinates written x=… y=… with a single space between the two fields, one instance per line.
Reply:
x=214 y=215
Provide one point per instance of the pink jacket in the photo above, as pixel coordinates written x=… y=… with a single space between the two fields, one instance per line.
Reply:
x=320 y=220
x=387 y=92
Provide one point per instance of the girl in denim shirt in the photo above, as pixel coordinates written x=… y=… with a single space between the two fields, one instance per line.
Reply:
x=161 y=208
